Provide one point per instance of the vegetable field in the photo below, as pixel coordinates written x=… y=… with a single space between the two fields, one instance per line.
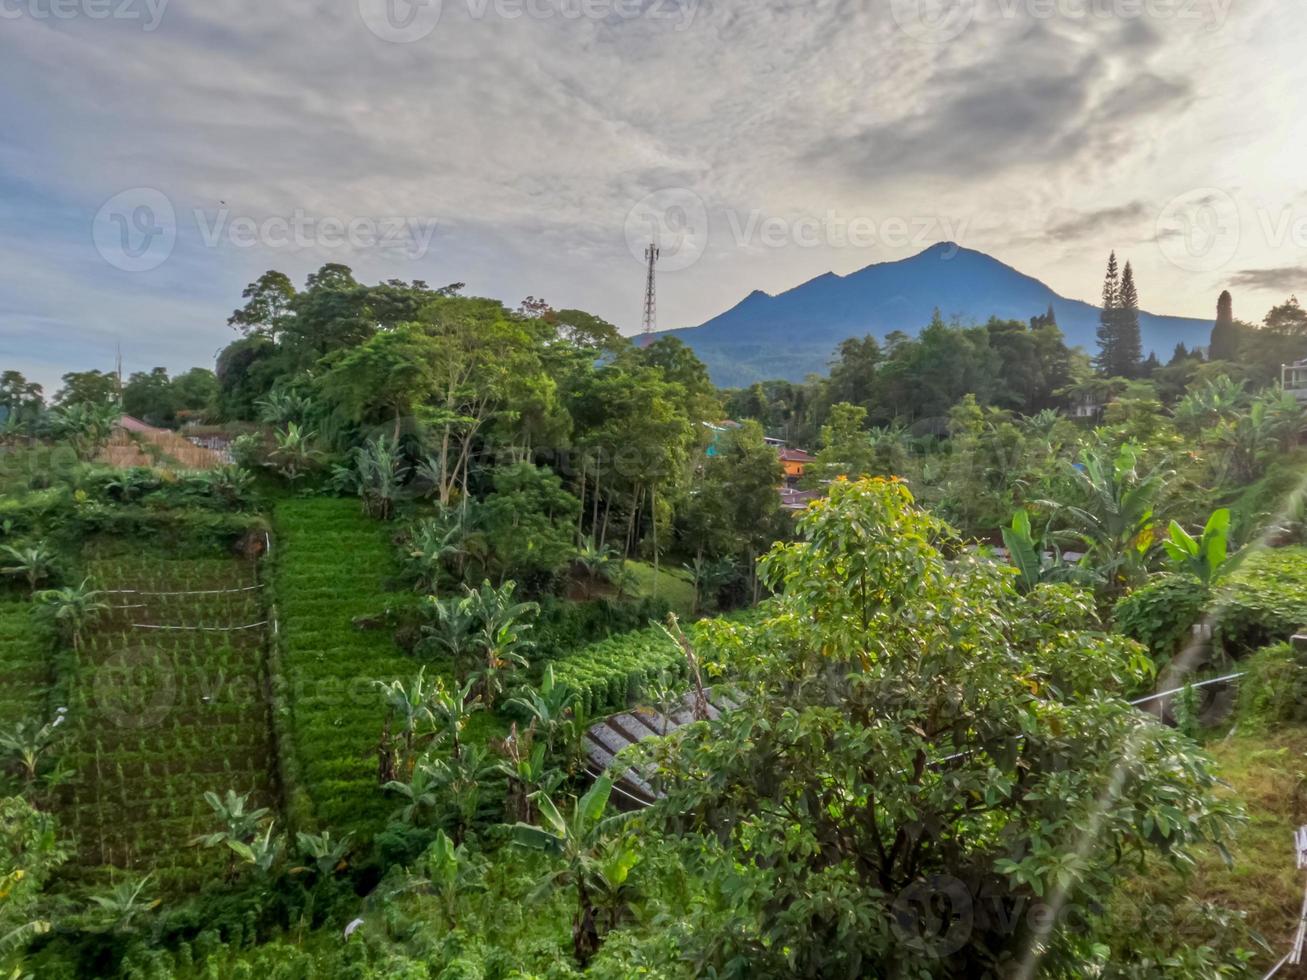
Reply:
x=609 y=675
x=25 y=647
x=166 y=701
x=331 y=566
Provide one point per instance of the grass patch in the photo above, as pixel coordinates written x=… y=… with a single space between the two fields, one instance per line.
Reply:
x=1267 y=773
x=673 y=586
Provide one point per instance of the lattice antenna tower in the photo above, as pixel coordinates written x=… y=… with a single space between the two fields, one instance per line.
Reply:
x=650 y=294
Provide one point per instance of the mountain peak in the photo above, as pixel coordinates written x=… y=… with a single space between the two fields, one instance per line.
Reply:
x=793 y=333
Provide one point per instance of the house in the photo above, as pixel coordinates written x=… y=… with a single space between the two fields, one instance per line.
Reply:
x=1294 y=379
x=795 y=463
x=794 y=501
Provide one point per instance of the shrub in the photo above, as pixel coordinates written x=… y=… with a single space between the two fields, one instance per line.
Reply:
x=607 y=676
x=1273 y=689
x=1160 y=615
x=1264 y=602
x=563 y=628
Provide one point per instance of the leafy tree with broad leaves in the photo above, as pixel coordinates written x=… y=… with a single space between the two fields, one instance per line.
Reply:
x=1112 y=517
x=35 y=563
x=1206 y=557
x=528 y=521
x=918 y=753
x=88 y=388
x=86 y=426
x=595 y=858
x=30 y=853
x=73 y=608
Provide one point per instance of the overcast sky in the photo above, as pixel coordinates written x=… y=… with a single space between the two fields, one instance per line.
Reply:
x=157 y=156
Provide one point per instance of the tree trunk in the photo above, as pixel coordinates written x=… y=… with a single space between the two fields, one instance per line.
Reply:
x=653 y=516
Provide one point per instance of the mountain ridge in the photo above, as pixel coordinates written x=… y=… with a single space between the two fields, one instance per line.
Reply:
x=793 y=333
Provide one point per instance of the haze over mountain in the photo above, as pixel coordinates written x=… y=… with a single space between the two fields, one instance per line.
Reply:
x=794 y=333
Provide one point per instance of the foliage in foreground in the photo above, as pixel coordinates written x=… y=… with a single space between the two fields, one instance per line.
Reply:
x=929 y=775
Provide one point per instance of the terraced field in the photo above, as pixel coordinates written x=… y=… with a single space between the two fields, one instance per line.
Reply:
x=331 y=566
x=25 y=665
x=166 y=700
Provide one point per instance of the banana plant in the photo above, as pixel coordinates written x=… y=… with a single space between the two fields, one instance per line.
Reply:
x=73 y=608
x=1036 y=559
x=451 y=874
x=34 y=563
x=327 y=855
x=1114 y=521
x=596 y=860
x=27 y=744
x=550 y=707
x=529 y=773
x=294 y=455
x=1207 y=557
x=124 y=904
x=263 y=852
x=421 y=794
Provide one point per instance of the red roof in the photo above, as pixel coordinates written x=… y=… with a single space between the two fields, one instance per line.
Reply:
x=132 y=424
x=796 y=456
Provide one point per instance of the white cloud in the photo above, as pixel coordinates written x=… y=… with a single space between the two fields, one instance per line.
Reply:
x=528 y=140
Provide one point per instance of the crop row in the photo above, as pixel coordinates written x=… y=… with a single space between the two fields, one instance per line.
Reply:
x=157 y=717
x=609 y=675
x=25 y=653
x=331 y=565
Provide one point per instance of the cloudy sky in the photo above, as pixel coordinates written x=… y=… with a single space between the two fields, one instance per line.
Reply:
x=157 y=155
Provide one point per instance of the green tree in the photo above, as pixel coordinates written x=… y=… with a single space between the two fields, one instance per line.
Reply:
x=1109 y=357
x=267 y=308
x=88 y=388
x=21 y=399
x=150 y=397
x=743 y=479
x=1129 y=346
x=917 y=742
x=528 y=521
x=845 y=447
x=30 y=853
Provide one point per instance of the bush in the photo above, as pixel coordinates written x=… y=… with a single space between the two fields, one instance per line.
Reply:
x=1264 y=602
x=563 y=628
x=1273 y=689
x=1161 y=614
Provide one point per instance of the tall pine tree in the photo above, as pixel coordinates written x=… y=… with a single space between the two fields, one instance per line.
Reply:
x=1225 y=334
x=1107 y=358
x=1129 y=344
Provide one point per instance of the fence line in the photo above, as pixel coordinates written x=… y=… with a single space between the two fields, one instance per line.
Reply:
x=200 y=629
x=247 y=588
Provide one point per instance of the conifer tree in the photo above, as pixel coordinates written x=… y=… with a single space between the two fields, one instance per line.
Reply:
x=1129 y=345
x=1225 y=334
x=1107 y=333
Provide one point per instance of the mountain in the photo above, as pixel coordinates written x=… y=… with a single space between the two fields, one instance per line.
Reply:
x=795 y=333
